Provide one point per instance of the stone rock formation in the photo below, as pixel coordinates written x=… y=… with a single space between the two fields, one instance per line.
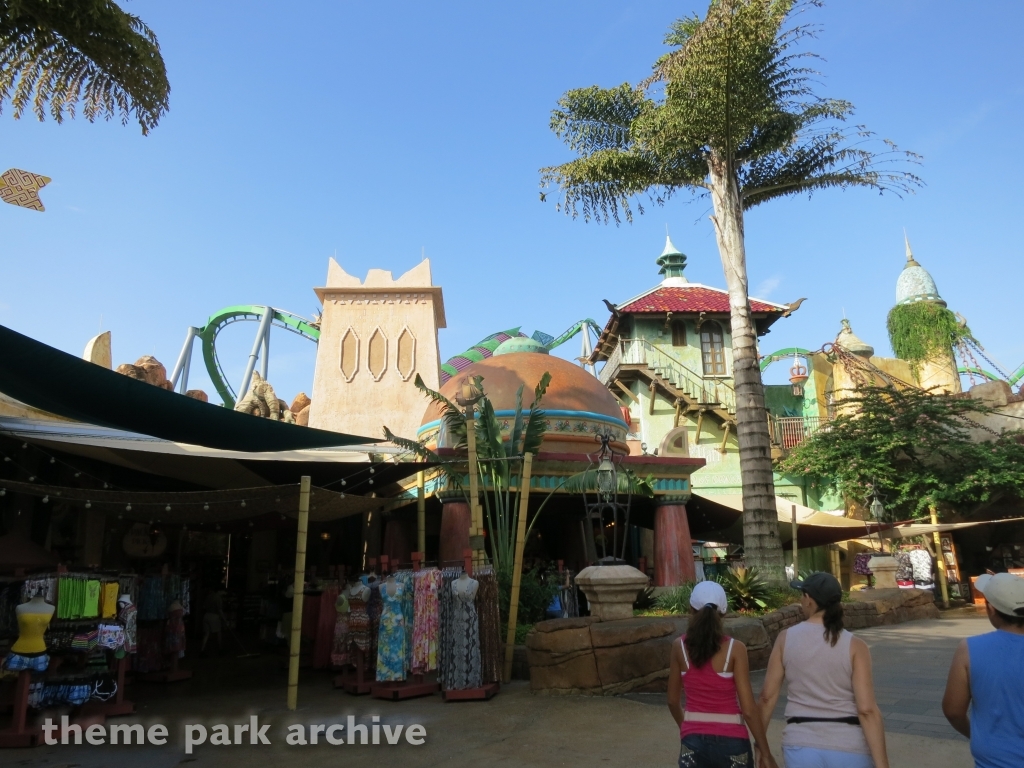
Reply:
x=131 y=371
x=154 y=370
x=150 y=370
x=301 y=401
x=261 y=400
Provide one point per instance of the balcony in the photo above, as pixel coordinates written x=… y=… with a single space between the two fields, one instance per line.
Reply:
x=789 y=431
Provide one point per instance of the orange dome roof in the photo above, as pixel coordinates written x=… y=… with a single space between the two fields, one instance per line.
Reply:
x=577 y=404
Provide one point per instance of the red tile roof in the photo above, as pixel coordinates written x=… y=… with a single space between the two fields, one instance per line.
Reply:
x=691 y=298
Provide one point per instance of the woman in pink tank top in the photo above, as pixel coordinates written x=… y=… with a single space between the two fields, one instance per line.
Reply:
x=714 y=673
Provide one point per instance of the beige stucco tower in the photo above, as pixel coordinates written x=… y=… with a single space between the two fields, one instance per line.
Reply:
x=375 y=336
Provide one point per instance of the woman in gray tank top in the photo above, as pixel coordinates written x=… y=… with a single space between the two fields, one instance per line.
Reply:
x=832 y=719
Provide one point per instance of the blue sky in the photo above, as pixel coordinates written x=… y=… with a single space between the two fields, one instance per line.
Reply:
x=375 y=130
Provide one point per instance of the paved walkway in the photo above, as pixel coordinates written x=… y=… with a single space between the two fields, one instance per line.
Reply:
x=516 y=728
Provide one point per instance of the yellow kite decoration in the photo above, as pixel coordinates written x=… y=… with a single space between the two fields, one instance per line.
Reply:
x=22 y=188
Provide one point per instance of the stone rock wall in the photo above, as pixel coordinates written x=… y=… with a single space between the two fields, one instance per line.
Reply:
x=596 y=657
x=607 y=657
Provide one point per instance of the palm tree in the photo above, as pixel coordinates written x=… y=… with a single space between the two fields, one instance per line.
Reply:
x=55 y=54
x=728 y=113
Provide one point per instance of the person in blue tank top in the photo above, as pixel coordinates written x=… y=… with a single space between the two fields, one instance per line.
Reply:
x=983 y=698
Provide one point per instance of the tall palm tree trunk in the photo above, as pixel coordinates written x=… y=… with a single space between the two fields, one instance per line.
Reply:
x=761 y=543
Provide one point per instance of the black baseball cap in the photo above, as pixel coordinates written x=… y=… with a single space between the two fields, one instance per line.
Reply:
x=823 y=588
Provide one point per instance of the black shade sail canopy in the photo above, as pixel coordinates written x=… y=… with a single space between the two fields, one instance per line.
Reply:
x=54 y=381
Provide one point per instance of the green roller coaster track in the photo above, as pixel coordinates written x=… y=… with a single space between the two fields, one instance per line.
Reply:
x=220 y=320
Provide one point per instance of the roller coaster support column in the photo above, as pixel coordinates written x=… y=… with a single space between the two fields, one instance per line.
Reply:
x=181 y=367
x=262 y=337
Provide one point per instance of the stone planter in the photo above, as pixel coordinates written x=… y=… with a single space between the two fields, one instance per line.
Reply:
x=883 y=568
x=611 y=590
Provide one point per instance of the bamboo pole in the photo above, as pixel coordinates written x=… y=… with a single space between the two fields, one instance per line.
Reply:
x=475 y=515
x=940 y=560
x=295 y=646
x=517 y=565
x=796 y=561
x=421 y=514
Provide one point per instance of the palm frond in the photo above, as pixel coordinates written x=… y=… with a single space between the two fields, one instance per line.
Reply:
x=536 y=421
x=453 y=419
x=422 y=452
x=58 y=54
x=516 y=434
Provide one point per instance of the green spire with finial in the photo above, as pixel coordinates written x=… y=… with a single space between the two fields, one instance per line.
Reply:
x=671 y=261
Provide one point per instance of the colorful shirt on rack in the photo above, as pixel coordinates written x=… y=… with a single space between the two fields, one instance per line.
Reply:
x=108 y=608
x=91 y=604
x=921 y=562
x=127 y=617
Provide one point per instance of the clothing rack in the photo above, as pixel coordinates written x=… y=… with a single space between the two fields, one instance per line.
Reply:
x=356 y=685
x=20 y=734
x=397 y=690
x=173 y=674
x=484 y=692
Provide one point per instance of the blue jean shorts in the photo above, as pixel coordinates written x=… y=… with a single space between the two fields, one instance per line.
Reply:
x=810 y=757
x=705 y=751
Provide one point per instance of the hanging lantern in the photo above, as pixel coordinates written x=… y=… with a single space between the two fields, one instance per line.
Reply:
x=797 y=377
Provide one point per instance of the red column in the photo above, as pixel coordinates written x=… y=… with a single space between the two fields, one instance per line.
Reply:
x=455 y=519
x=396 y=543
x=673 y=552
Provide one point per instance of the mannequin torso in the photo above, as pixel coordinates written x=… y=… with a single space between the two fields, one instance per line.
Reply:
x=359 y=591
x=465 y=586
x=33 y=619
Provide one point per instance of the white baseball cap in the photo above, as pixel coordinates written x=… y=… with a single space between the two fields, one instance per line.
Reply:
x=1004 y=591
x=709 y=593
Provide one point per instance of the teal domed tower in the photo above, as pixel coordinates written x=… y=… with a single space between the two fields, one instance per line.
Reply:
x=923 y=331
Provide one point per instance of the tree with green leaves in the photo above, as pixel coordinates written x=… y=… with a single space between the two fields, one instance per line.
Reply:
x=56 y=55
x=499 y=460
x=729 y=113
x=916 y=450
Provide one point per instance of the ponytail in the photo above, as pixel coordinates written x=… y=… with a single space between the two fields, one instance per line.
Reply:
x=704 y=634
x=833 y=621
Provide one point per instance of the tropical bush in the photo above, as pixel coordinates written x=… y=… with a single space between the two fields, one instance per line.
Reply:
x=746 y=588
x=676 y=599
x=535 y=595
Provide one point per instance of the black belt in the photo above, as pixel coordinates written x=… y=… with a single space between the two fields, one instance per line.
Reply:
x=847 y=720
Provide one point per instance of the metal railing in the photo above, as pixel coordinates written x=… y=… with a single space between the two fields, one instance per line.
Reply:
x=790 y=431
x=695 y=386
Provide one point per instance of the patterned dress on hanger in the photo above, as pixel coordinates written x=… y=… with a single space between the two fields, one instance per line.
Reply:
x=465 y=640
x=391 y=637
x=425 y=622
x=490 y=628
x=340 y=642
x=358 y=624
x=373 y=610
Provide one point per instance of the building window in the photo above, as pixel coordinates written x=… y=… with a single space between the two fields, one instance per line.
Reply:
x=712 y=349
x=678 y=333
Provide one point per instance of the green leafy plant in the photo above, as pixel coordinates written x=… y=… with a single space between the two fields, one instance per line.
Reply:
x=746 y=589
x=535 y=595
x=644 y=599
x=923 y=330
x=676 y=599
x=916 y=449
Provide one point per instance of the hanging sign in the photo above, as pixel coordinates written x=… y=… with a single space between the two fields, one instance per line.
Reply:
x=21 y=188
x=141 y=541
